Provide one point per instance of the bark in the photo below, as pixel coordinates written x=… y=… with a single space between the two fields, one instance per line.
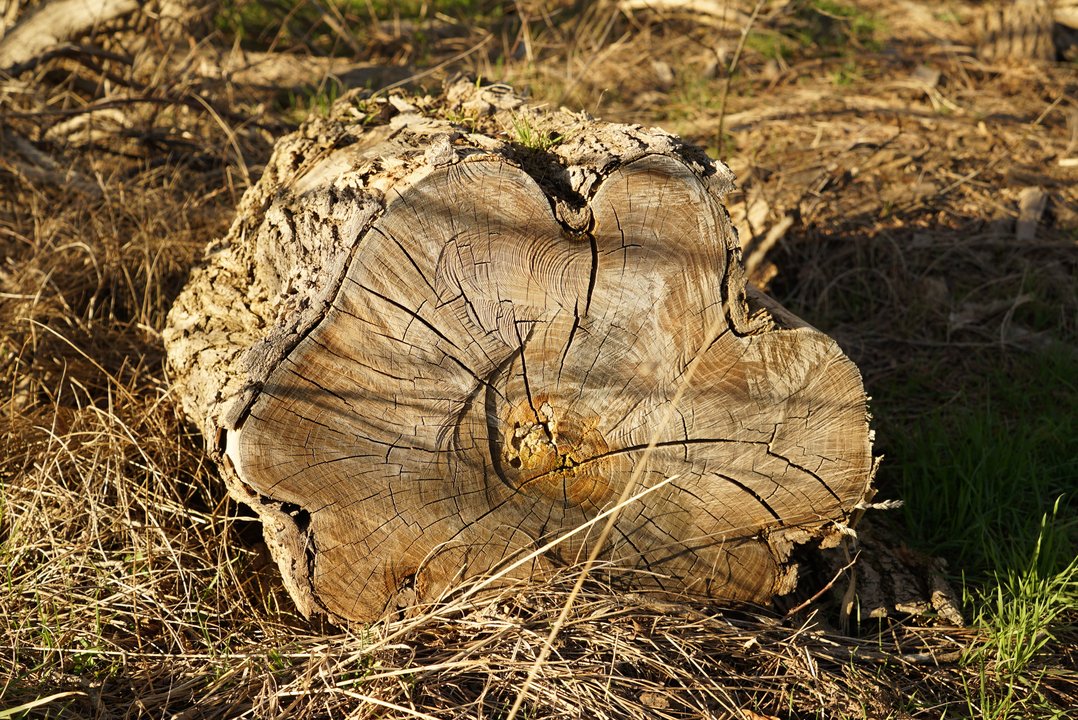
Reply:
x=445 y=331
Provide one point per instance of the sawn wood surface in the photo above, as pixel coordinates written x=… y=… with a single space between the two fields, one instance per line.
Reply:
x=426 y=349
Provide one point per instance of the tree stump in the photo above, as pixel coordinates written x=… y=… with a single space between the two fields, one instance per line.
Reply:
x=443 y=332
x=1022 y=30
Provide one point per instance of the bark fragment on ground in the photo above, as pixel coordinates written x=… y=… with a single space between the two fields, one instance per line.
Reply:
x=54 y=23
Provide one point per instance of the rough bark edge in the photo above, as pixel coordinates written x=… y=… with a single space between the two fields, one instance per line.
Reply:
x=217 y=381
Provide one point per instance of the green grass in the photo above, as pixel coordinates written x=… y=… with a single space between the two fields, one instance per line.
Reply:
x=244 y=20
x=1021 y=609
x=849 y=73
x=424 y=8
x=826 y=27
x=977 y=479
x=303 y=23
x=298 y=105
x=990 y=487
x=529 y=136
x=772 y=45
x=846 y=22
x=1021 y=614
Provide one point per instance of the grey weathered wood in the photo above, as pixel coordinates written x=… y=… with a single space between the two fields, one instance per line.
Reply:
x=53 y=23
x=424 y=348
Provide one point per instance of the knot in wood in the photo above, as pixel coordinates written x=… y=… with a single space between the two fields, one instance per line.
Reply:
x=556 y=454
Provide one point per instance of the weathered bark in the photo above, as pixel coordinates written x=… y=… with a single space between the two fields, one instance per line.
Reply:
x=425 y=348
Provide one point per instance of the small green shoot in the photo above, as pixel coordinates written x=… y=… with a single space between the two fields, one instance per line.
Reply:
x=772 y=45
x=857 y=24
x=316 y=101
x=847 y=74
x=527 y=134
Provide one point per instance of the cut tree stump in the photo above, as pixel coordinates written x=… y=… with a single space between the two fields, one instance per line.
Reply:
x=1026 y=30
x=444 y=332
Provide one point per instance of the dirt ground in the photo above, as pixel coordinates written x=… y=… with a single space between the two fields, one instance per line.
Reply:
x=915 y=201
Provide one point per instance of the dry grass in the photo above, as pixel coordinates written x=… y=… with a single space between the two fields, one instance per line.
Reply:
x=134 y=589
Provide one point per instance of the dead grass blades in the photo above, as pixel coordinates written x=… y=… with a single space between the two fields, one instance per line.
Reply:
x=130 y=588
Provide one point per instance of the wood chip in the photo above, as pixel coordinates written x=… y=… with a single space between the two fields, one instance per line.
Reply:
x=1031 y=204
